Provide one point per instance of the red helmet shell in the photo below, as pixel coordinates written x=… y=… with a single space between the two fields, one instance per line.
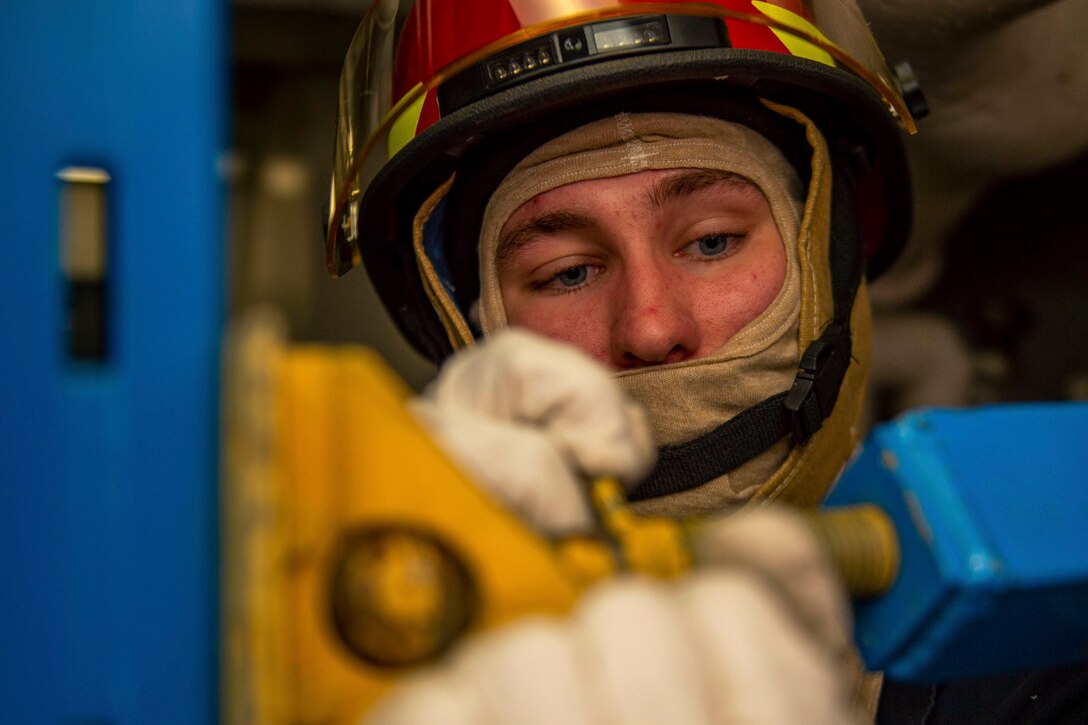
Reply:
x=435 y=35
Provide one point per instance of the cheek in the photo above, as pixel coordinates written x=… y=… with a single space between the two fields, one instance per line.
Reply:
x=570 y=318
x=740 y=294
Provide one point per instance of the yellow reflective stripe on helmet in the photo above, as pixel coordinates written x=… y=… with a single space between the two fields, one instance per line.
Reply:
x=795 y=45
x=403 y=129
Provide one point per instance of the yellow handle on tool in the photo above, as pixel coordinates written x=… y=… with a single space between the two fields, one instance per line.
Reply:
x=859 y=540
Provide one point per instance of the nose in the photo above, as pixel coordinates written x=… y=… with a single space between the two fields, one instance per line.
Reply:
x=653 y=321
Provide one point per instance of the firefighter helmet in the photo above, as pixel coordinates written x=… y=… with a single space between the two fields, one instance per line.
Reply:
x=465 y=73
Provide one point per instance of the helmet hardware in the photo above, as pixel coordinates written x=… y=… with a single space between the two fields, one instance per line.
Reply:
x=577 y=45
x=816 y=387
x=911 y=89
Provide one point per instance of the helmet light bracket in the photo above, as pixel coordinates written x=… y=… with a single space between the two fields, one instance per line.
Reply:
x=578 y=45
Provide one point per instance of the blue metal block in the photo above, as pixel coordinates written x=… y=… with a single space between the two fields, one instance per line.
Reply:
x=991 y=508
x=108 y=467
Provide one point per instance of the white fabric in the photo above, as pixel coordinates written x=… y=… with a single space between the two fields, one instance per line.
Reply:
x=529 y=419
x=736 y=643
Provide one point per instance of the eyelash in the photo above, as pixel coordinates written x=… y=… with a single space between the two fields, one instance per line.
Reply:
x=733 y=240
x=543 y=285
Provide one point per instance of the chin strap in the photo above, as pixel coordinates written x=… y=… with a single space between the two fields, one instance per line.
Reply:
x=797 y=414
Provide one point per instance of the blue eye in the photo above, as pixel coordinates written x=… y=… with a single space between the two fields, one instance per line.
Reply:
x=573 y=276
x=714 y=244
x=712 y=247
x=571 y=279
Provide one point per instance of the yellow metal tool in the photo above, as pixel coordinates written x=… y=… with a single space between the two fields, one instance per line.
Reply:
x=354 y=550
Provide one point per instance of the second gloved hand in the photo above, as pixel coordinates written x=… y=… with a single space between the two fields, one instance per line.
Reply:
x=756 y=634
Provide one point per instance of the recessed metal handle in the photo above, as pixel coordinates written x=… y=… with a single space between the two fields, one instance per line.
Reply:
x=84 y=256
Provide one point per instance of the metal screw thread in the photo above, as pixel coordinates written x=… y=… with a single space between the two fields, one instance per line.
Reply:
x=862 y=545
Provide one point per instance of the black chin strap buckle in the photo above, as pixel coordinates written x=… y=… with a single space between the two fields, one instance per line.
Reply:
x=816 y=387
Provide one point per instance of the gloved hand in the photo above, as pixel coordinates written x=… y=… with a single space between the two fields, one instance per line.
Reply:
x=753 y=638
x=759 y=632
x=529 y=419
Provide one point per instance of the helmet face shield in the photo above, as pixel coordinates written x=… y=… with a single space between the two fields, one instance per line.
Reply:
x=455 y=53
x=366 y=95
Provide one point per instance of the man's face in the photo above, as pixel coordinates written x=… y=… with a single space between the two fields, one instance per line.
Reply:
x=648 y=268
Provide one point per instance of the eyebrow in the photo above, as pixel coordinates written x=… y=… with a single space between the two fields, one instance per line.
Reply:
x=550 y=223
x=666 y=190
x=690 y=182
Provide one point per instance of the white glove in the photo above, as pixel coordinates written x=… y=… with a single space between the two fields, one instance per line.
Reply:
x=762 y=639
x=758 y=634
x=530 y=419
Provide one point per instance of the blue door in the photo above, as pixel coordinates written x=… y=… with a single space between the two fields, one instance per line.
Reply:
x=112 y=119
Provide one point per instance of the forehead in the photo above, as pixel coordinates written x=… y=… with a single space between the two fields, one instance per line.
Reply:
x=656 y=185
x=582 y=203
